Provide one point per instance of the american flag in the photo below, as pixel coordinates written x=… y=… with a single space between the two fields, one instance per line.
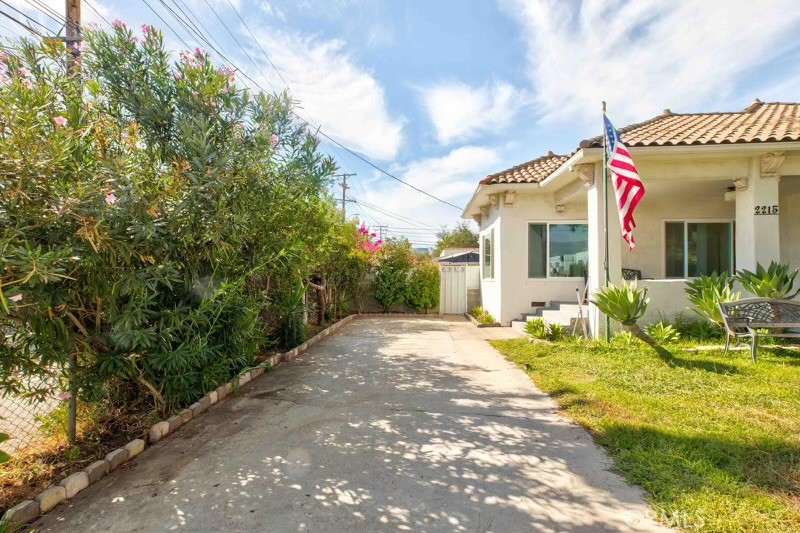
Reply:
x=628 y=187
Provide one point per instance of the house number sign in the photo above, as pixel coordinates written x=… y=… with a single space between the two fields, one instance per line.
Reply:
x=766 y=210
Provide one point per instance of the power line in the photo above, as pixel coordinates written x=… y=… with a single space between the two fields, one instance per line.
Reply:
x=24 y=15
x=331 y=139
x=28 y=28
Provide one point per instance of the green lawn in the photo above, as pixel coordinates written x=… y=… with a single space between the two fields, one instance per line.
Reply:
x=700 y=431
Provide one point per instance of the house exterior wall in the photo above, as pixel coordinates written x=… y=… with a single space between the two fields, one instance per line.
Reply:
x=682 y=201
x=790 y=220
x=510 y=294
x=490 y=288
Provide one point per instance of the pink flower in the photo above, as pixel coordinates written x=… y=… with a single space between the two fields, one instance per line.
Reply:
x=16 y=298
x=146 y=29
x=274 y=139
x=3 y=56
x=27 y=83
x=118 y=24
x=224 y=90
x=229 y=73
x=200 y=53
x=110 y=198
x=80 y=46
x=64 y=395
x=179 y=75
x=24 y=72
x=60 y=121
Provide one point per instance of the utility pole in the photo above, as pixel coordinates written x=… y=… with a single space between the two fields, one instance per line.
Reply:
x=380 y=231
x=73 y=41
x=345 y=188
x=73 y=38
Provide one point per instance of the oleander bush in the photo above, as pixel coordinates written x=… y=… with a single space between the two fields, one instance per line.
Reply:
x=158 y=224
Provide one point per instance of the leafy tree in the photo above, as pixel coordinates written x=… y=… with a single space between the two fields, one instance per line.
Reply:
x=461 y=236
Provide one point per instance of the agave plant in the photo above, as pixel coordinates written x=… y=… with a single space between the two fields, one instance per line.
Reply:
x=707 y=292
x=775 y=281
x=626 y=304
x=663 y=333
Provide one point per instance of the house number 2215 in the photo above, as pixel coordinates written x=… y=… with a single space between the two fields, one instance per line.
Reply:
x=766 y=210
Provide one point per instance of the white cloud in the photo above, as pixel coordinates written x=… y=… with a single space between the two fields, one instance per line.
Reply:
x=451 y=177
x=645 y=55
x=461 y=112
x=334 y=91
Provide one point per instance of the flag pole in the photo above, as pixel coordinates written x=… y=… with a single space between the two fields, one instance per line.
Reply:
x=605 y=214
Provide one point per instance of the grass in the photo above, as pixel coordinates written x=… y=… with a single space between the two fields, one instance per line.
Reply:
x=711 y=437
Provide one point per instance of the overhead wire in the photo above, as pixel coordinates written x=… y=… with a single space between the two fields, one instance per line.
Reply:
x=319 y=130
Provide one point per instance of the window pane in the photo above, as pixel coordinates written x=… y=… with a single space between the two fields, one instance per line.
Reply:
x=709 y=247
x=675 y=250
x=488 y=266
x=569 y=250
x=537 y=251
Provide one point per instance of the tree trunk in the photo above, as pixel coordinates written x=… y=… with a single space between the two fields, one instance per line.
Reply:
x=639 y=333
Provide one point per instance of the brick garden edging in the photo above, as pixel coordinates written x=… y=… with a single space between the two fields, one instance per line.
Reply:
x=29 y=510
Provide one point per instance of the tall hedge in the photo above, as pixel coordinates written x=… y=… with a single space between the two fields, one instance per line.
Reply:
x=152 y=214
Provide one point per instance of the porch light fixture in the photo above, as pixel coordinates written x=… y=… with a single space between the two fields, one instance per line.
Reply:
x=560 y=208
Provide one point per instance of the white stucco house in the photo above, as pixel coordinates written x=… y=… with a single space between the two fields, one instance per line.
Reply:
x=722 y=193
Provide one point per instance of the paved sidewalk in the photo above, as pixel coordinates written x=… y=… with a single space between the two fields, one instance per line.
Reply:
x=412 y=424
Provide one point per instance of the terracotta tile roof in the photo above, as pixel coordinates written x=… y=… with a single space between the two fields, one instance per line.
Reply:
x=761 y=122
x=530 y=172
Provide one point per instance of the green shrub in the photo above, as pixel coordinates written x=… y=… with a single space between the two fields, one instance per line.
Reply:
x=557 y=332
x=477 y=311
x=166 y=211
x=422 y=292
x=537 y=328
x=663 y=333
x=776 y=281
x=291 y=311
x=699 y=330
x=486 y=318
x=482 y=316
x=392 y=270
x=707 y=292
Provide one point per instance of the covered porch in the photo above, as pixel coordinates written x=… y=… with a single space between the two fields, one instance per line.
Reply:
x=702 y=213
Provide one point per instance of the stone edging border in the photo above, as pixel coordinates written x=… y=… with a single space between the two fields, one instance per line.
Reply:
x=25 y=512
x=479 y=325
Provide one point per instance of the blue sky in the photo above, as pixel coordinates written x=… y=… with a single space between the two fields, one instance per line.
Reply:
x=442 y=93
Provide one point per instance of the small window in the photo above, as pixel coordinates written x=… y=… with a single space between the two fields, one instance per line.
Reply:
x=558 y=250
x=695 y=249
x=488 y=253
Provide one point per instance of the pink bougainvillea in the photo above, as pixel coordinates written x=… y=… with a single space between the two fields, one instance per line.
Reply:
x=110 y=198
x=118 y=24
x=60 y=121
x=365 y=241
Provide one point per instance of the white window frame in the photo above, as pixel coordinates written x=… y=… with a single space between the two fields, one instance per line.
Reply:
x=492 y=255
x=686 y=222
x=549 y=223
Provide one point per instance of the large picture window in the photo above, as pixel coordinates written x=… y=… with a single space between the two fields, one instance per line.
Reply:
x=488 y=255
x=694 y=249
x=558 y=250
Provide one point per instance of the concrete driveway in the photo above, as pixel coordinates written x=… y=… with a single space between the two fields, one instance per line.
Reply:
x=412 y=424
